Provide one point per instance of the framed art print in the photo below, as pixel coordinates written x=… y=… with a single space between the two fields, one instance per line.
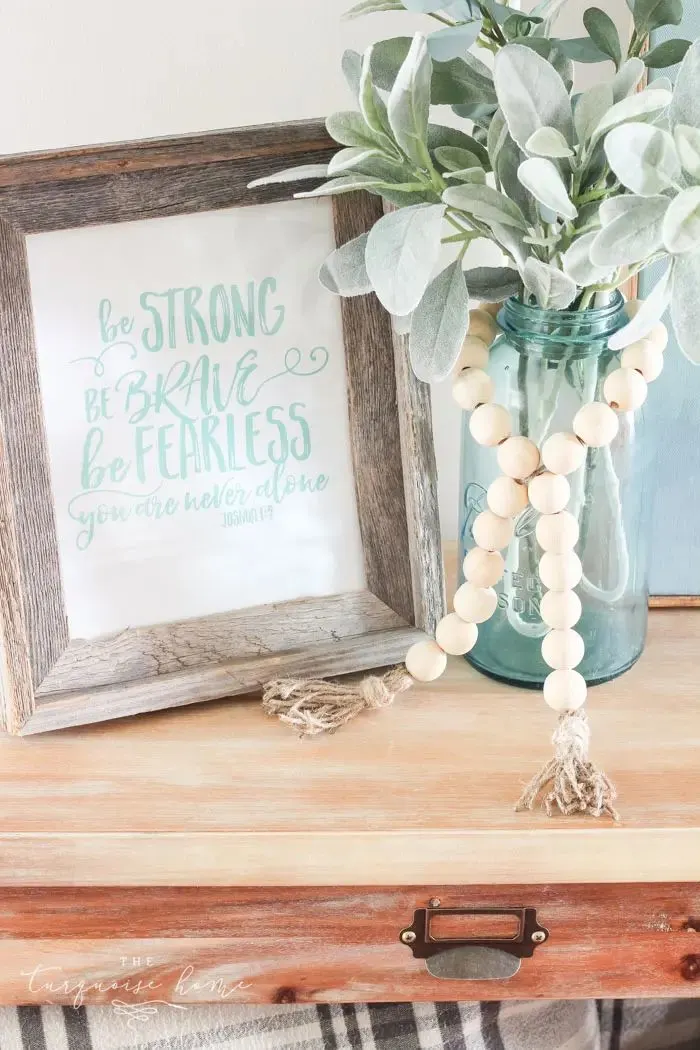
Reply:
x=212 y=471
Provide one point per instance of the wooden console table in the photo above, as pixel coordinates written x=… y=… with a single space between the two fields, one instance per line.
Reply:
x=212 y=842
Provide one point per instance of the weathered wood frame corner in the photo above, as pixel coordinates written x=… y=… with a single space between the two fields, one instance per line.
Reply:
x=47 y=680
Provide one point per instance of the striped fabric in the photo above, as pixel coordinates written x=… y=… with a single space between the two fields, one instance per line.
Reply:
x=576 y=1025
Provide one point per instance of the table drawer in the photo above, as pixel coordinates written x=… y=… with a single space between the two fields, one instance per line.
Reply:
x=189 y=945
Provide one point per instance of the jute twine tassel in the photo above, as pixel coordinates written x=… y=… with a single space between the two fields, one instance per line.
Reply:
x=576 y=785
x=316 y=706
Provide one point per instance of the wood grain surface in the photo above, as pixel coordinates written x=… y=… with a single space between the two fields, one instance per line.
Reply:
x=329 y=945
x=422 y=792
x=147 y=669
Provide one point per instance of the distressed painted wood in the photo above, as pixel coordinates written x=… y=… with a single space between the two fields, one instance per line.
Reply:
x=420 y=489
x=374 y=430
x=50 y=681
x=420 y=793
x=328 y=945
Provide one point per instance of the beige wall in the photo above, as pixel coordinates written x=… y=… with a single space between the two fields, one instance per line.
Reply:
x=81 y=71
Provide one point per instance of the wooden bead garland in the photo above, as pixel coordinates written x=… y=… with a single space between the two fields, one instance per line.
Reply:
x=569 y=782
x=577 y=784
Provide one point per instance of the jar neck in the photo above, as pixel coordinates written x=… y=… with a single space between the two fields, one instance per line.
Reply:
x=582 y=331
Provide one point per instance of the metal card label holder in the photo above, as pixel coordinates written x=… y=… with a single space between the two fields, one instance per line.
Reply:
x=474 y=958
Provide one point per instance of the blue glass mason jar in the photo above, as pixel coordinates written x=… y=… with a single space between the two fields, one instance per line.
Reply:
x=545 y=366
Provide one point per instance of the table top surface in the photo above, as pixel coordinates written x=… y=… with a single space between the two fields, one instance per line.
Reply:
x=221 y=794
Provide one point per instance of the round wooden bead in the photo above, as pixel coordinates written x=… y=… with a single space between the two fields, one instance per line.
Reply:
x=565 y=690
x=475 y=604
x=455 y=636
x=563 y=650
x=560 y=572
x=490 y=424
x=632 y=308
x=482 y=326
x=472 y=387
x=518 y=458
x=658 y=336
x=596 y=424
x=644 y=358
x=506 y=496
x=563 y=453
x=425 y=661
x=557 y=532
x=549 y=493
x=483 y=568
x=493 y=309
x=491 y=531
x=474 y=353
x=560 y=609
x=625 y=390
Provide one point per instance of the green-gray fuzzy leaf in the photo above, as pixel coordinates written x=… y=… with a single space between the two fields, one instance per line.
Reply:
x=493 y=284
x=548 y=142
x=453 y=41
x=351 y=183
x=670 y=53
x=351 y=64
x=440 y=323
x=369 y=7
x=304 y=171
x=409 y=102
x=687 y=141
x=685 y=305
x=627 y=78
x=652 y=14
x=552 y=289
x=682 y=223
x=632 y=237
x=650 y=313
x=371 y=105
x=531 y=94
x=582 y=49
x=602 y=31
x=591 y=108
x=643 y=157
x=344 y=271
x=467 y=175
x=486 y=205
x=438 y=136
x=645 y=105
x=542 y=179
x=511 y=240
x=685 y=107
x=402 y=251
x=354 y=157
x=578 y=264
x=349 y=129
x=451 y=158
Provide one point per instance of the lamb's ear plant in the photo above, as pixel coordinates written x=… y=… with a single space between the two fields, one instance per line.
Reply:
x=578 y=191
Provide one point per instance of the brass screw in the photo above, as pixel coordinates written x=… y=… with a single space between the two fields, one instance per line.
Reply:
x=434 y=902
x=690 y=967
x=408 y=936
x=538 y=936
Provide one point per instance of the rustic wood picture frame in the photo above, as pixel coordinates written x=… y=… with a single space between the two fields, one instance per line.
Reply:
x=47 y=679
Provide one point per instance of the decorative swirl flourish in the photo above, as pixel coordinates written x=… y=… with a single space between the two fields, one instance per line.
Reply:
x=141 y=1013
x=99 y=366
x=293 y=360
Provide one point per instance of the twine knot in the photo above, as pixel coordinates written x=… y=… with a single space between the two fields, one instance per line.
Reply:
x=316 y=706
x=576 y=784
x=375 y=692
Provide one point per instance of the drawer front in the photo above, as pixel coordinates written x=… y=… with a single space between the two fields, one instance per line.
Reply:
x=188 y=945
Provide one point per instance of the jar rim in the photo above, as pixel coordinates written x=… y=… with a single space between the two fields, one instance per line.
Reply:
x=570 y=327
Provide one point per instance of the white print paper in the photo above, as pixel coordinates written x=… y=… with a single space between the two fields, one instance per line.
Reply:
x=193 y=376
